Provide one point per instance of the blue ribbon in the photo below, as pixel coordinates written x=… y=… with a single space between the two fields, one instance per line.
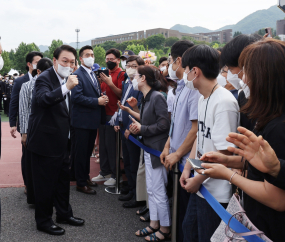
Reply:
x=219 y=209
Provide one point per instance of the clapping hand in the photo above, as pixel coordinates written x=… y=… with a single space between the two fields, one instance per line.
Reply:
x=255 y=150
x=135 y=127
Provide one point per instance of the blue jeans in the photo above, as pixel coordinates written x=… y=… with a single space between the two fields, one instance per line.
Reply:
x=200 y=221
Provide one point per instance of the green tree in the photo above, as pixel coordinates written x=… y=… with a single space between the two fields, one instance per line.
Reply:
x=159 y=53
x=155 y=41
x=46 y=54
x=7 y=65
x=108 y=45
x=237 y=33
x=54 y=44
x=170 y=41
x=12 y=57
x=216 y=46
x=135 y=48
x=20 y=55
x=277 y=37
x=100 y=55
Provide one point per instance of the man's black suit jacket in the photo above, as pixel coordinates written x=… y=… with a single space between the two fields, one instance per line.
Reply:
x=14 y=103
x=49 y=122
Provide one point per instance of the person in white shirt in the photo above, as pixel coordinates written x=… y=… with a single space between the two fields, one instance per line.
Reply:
x=218 y=114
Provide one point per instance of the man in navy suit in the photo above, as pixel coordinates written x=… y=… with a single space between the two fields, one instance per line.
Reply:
x=48 y=141
x=131 y=152
x=31 y=63
x=87 y=115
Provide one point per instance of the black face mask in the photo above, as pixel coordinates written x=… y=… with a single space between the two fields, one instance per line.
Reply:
x=111 y=65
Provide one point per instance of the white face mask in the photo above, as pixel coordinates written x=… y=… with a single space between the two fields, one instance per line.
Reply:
x=189 y=84
x=88 y=61
x=162 y=69
x=172 y=73
x=63 y=71
x=1 y=62
x=123 y=63
x=245 y=89
x=234 y=80
x=34 y=66
x=135 y=84
x=131 y=72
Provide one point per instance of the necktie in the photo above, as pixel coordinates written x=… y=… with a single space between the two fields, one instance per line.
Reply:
x=95 y=82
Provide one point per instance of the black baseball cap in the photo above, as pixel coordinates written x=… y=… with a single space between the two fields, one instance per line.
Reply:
x=127 y=54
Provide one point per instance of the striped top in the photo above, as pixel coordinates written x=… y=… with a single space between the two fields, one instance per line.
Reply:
x=25 y=104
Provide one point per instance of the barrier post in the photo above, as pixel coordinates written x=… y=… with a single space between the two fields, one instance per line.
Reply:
x=116 y=189
x=174 y=202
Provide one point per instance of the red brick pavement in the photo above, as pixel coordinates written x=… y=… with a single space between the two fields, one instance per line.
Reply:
x=10 y=162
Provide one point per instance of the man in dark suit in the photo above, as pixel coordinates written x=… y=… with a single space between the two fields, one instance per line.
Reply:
x=131 y=152
x=31 y=63
x=87 y=105
x=48 y=134
x=8 y=92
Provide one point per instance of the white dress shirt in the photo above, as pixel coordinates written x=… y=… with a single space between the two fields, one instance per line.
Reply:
x=89 y=71
x=30 y=76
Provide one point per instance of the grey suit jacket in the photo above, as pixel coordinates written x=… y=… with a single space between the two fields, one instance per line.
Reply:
x=155 y=123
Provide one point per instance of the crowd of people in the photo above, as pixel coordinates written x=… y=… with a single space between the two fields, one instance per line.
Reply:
x=190 y=107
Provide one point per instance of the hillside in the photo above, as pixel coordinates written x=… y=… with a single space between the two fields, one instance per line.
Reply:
x=251 y=23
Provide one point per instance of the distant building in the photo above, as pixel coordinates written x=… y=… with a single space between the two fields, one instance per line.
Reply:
x=221 y=36
x=280 y=27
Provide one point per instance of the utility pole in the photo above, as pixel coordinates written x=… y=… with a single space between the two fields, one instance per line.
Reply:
x=77 y=42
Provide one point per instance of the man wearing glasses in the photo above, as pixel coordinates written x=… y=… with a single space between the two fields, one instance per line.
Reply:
x=131 y=152
x=111 y=86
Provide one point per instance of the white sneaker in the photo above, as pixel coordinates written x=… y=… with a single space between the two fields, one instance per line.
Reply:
x=110 y=182
x=101 y=178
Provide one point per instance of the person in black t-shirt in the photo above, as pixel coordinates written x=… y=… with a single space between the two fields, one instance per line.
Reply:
x=263 y=64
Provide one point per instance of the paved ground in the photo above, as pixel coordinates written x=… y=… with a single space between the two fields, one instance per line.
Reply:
x=106 y=219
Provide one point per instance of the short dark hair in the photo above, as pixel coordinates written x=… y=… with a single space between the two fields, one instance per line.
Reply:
x=115 y=52
x=153 y=77
x=30 y=57
x=136 y=58
x=204 y=57
x=162 y=59
x=86 y=47
x=232 y=50
x=68 y=48
x=179 y=47
x=42 y=65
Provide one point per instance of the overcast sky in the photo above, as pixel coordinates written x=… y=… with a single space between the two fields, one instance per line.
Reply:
x=42 y=21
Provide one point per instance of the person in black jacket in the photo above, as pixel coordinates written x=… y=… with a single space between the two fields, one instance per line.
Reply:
x=32 y=59
x=47 y=140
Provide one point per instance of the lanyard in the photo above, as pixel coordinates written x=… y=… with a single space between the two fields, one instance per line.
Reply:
x=174 y=111
x=205 y=118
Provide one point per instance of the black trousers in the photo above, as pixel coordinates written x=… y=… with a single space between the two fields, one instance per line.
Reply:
x=84 y=140
x=29 y=177
x=107 y=149
x=51 y=186
x=23 y=164
x=131 y=158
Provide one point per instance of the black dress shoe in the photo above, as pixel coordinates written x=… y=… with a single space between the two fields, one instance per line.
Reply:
x=127 y=197
x=125 y=190
x=53 y=230
x=92 y=183
x=71 y=221
x=133 y=204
